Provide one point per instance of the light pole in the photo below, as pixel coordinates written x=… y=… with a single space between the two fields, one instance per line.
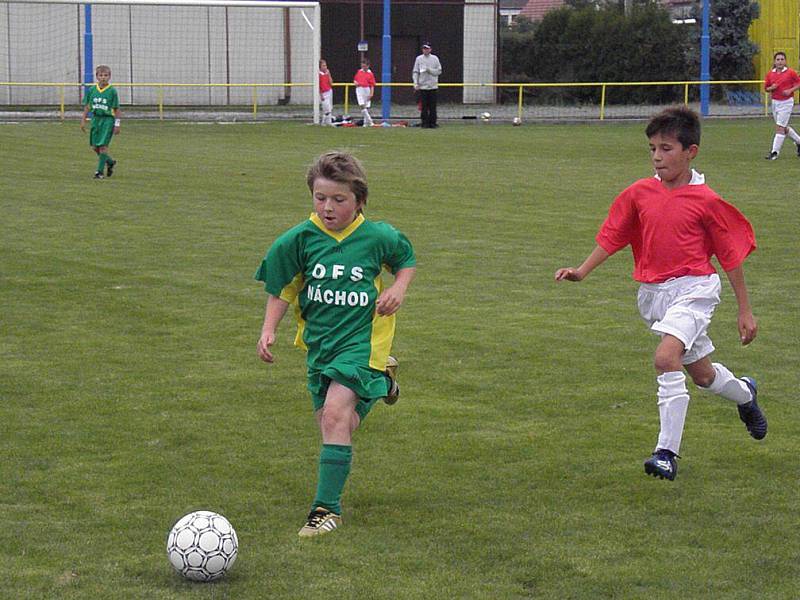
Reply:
x=705 y=59
x=386 y=75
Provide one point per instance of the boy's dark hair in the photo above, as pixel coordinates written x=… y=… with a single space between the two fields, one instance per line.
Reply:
x=105 y=68
x=779 y=53
x=679 y=121
x=365 y=61
x=340 y=167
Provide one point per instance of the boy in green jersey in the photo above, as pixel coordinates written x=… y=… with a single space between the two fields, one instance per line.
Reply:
x=329 y=269
x=102 y=100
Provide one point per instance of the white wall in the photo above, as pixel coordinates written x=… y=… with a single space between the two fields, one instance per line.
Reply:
x=480 y=50
x=157 y=44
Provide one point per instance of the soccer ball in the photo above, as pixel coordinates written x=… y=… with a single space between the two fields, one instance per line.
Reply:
x=516 y=121
x=202 y=546
x=485 y=116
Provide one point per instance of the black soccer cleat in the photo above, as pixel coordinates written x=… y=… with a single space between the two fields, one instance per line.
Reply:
x=662 y=464
x=98 y=175
x=751 y=413
x=772 y=156
x=798 y=149
x=110 y=167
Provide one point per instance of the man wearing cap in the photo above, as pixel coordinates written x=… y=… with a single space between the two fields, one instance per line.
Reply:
x=425 y=75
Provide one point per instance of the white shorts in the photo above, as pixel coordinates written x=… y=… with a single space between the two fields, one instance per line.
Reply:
x=326 y=99
x=782 y=111
x=362 y=95
x=682 y=307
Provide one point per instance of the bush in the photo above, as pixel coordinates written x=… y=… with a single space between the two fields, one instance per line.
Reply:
x=601 y=45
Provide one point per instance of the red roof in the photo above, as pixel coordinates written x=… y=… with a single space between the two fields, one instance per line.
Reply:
x=535 y=9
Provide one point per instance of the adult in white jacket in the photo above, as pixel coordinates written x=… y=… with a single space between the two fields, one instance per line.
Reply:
x=425 y=75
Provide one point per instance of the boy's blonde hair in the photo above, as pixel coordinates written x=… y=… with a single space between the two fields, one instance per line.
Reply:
x=341 y=167
x=104 y=68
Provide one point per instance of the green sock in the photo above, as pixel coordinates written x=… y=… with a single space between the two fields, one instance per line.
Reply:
x=109 y=160
x=101 y=162
x=334 y=467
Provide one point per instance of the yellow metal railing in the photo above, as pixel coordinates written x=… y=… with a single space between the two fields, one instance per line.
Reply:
x=159 y=90
x=520 y=87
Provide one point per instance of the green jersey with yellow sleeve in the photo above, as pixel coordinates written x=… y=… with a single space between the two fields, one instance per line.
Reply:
x=333 y=280
x=101 y=101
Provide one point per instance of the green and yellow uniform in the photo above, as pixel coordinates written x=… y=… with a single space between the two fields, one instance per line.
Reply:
x=102 y=102
x=333 y=280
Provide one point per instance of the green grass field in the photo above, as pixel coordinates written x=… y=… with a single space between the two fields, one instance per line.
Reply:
x=512 y=465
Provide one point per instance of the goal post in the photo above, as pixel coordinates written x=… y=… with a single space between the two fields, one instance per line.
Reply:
x=193 y=54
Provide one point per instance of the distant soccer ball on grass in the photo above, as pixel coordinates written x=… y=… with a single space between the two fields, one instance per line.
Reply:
x=516 y=121
x=202 y=546
x=485 y=116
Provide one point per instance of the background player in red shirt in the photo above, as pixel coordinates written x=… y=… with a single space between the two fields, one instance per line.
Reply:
x=782 y=82
x=365 y=88
x=674 y=223
x=326 y=92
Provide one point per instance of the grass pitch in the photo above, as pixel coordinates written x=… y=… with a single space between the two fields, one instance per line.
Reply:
x=512 y=465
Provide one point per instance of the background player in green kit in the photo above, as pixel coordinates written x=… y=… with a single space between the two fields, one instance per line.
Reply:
x=102 y=100
x=329 y=268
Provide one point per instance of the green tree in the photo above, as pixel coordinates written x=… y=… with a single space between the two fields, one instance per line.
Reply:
x=732 y=52
x=599 y=43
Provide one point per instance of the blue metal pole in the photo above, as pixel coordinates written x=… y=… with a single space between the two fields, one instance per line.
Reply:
x=386 y=74
x=705 y=60
x=88 y=49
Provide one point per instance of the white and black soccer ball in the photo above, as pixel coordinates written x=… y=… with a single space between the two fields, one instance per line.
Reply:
x=485 y=116
x=202 y=546
x=516 y=122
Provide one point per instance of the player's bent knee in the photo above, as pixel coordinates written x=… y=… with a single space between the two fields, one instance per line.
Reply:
x=703 y=380
x=664 y=362
x=333 y=420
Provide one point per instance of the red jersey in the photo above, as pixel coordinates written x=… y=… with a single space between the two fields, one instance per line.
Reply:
x=364 y=78
x=675 y=232
x=325 y=83
x=785 y=79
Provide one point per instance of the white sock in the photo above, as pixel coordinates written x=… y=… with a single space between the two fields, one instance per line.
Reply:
x=673 y=402
x=726 y=385
x=793 y=134
x=777 y=142
x=367 y=117
x=327 y=119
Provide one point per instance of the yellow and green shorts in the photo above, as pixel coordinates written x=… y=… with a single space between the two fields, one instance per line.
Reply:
x=368 y=384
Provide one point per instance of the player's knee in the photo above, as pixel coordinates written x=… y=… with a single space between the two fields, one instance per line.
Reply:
x=665 y=361
x=703 y=380
x=333 y=420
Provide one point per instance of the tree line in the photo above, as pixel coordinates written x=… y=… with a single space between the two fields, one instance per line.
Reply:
x=635 y=40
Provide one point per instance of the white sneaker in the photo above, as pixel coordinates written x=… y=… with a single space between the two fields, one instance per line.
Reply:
x=320 y=521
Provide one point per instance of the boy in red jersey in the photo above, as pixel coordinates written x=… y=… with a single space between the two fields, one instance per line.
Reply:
x=782 y=82
x=674 y=223
x=326 y=92
x=365 y=88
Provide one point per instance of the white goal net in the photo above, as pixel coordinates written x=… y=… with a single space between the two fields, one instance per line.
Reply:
x=187 y=54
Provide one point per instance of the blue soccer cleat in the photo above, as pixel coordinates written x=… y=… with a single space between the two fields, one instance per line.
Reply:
x=751 y=414
x=662 y=464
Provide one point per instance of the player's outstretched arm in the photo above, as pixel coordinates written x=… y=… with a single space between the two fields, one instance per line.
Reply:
x=392 y=297
x=746 y=322
x=273 y=314
x=594 y=260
